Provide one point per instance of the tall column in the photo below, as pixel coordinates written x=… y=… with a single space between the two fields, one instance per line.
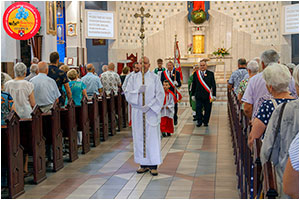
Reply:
x=76 y=46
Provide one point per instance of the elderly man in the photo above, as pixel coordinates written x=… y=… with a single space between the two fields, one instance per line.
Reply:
x=238 y=75
x=256 y=91
x=110 y=80
x=203 y=92
x=46 y=91
x=136 y=69
x=60 y=78
x=33 y=72
x=35 y=61
x=169 y=74
x=104 y=68
x=92 y=82
x=154 y=96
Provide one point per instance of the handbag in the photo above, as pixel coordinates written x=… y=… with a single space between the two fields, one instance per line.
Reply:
x=260 y=194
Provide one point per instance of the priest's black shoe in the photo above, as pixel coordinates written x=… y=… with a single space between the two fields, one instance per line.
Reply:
x=205 y=124
x=199 y=124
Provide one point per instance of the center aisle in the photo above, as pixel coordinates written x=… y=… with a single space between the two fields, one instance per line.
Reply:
x=198 y=163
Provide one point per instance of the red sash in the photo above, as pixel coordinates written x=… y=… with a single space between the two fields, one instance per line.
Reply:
x=202 y=82
x=179 y=96
x=166 y=96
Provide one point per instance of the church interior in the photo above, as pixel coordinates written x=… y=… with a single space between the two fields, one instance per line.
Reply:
x=206 y=162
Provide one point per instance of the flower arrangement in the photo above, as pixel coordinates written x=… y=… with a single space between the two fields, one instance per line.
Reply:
x=190 y=47
x=221 y=52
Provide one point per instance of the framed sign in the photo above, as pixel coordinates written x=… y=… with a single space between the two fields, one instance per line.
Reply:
x=100 y=24
x=21 y=21
x=71 y=29
x=70 y=61
x=51 y=17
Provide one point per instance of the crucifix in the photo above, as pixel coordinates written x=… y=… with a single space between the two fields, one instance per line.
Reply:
x=142 y=37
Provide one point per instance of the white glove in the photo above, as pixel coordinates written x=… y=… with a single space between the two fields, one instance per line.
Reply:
x=145 y=108
x=176 y=83
x=193 y=98
x=142 y=89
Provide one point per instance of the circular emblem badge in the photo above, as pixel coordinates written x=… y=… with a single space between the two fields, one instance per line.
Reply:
x=21 y=21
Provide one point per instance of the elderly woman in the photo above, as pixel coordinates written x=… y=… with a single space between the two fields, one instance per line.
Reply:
x=21 y=91
x=252 y=68
x=7 y=103
x=289 y=127
x=78 y=88
x=64 y=68
x=277 y=79
x=190 y=81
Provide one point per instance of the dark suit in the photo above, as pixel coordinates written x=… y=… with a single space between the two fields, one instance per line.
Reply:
x=202 y=96
x=162 y=78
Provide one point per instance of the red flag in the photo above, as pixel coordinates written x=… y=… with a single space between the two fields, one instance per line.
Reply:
x=177 y=60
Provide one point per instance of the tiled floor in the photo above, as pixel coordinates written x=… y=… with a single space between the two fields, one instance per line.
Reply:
x=198 y=163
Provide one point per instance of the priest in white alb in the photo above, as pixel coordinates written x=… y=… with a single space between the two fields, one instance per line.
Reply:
x=154 y=96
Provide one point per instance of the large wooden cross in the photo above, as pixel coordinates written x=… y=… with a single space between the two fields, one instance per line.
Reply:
x=142 y=37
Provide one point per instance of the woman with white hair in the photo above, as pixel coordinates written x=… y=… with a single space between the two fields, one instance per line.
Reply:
x=277 y=79
x=279 y=149
x=252 y=68
x=21 y=91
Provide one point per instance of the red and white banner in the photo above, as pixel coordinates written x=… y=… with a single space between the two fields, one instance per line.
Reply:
x=202 y=82
x=177 y=60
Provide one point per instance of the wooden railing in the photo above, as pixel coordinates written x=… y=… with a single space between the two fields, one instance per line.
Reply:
x=249 y=169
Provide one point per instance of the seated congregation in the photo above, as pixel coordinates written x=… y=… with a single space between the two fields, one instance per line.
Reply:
x=263 y=109
x=51 y=115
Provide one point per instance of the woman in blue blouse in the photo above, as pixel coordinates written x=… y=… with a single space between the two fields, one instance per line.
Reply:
x=78 y=88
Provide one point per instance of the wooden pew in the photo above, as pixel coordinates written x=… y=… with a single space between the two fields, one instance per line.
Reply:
x=53 y=134
x=33 y=141
x=83 y=124
x=118 y=109
x=124 y=110
x=12 y=156
x=94 y=120
x=102 y=106
x=69 y=127
x=111 y=113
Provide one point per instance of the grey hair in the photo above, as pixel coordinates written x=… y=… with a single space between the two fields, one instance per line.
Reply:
x=20 y=69
x=296 y=75
x=104 y=68
x=269 y=56
x=291 y=65
x=257 y=59
x=253 y=66
x=2 y=79
x=278 y=76
x=34 y=68
x=35 y=60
